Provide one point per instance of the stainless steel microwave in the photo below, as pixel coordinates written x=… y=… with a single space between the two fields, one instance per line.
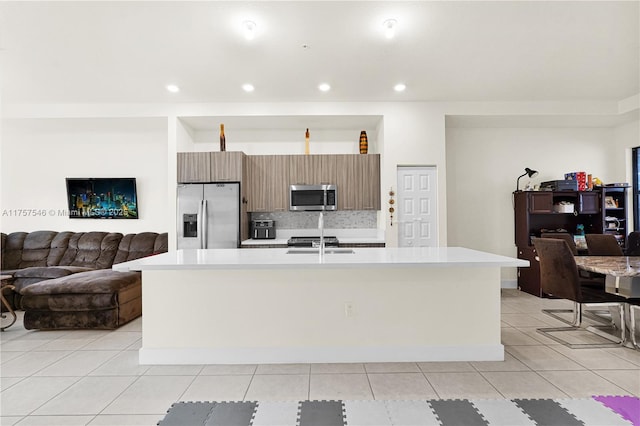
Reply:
x=313 y=197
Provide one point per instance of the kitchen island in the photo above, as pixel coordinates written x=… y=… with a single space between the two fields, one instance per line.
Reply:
x=233 y=306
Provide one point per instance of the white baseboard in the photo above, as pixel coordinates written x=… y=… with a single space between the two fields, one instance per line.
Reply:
x=190 y=356
x=509 y=284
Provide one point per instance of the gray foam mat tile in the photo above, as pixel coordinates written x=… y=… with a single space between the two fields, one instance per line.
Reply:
x=276 y=414
x=321 y=413
x=502 y=412
x=547 y=412
x=457 y=412
x=188 y=414
x=232 y=414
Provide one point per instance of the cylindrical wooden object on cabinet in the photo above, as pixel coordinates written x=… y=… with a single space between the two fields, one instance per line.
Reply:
x=364 y=142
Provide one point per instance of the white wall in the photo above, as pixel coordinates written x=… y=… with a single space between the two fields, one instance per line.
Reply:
x=484 y=163
x=38 y=154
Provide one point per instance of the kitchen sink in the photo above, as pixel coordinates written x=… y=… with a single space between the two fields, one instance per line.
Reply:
x=317 y=251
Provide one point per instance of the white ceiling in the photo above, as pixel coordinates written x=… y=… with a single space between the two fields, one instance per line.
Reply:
x=99 y=52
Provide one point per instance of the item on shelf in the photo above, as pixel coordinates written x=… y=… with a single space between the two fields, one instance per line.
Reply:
x=610 y=202
x=559 y=185
x=579 y=177
x=589 y=182
x=223 y=139
x=579 y=229
x=306 y=142
x=564 y=207
x=581 y=242
x=618 y=185
x=364 y=142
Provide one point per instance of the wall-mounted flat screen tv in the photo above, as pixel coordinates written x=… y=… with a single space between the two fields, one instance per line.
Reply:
x=102 y=198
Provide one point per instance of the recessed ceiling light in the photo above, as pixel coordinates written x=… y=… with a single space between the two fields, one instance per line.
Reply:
x=248 y=87
x=400 y=87
x=390 y=28
x=249 y=30
x=324 y=87
x=173 y=88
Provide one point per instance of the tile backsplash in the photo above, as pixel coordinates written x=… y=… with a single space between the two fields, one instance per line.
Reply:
x=343 y=219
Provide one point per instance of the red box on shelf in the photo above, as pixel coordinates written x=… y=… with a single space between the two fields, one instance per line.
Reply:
x=580 y=177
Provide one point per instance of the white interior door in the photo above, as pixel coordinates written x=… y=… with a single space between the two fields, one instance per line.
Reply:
x=417 y=206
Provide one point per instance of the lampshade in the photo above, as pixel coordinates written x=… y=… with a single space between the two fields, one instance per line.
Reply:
x=527 y=172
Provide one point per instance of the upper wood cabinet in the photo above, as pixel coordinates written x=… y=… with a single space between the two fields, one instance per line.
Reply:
x=267 y=183
x=210 y=166
x=358 y=180
x=312 y=169
x=194 y=167
x=265 y=179
x=227 y=166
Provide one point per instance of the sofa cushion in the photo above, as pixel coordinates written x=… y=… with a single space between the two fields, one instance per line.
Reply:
x=36 y=248
x=91 y=282
x=135 y=246
x=49 y=272
x=59 y=246
x=95 y=250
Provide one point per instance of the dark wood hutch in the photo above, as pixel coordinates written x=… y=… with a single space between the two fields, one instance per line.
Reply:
x=603 y=210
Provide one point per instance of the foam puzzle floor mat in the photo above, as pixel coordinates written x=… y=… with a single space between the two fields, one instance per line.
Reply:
x=595 y=411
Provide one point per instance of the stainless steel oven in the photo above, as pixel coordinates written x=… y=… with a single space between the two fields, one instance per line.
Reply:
x=313 y=197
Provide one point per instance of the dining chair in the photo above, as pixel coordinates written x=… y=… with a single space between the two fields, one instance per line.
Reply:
x=590 y=279
x=559 y=278
x=565 y=237
x=603 y=245
x=633 y=244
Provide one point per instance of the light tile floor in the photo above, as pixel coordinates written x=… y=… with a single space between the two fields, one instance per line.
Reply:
x=93 y=377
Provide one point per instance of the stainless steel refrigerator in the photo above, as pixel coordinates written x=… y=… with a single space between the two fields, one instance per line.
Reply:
x=208 y=215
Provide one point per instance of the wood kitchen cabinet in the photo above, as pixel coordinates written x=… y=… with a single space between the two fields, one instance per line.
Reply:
x=210 y=166
x=194 y=167
x=227 y=166
x=312 y=169
x=358 y=181
x=267 y=183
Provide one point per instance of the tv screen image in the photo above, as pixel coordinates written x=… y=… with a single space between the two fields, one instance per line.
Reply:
x=102 y=198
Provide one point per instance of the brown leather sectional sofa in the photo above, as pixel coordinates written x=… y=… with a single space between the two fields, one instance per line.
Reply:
x=64 y=280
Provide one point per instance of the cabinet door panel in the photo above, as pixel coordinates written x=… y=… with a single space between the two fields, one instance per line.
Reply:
x=358 y=180
x=194 y=167
x=312 y=169
x=589 y=203
x=540 y=202
x=267 y=188
x=226 y=166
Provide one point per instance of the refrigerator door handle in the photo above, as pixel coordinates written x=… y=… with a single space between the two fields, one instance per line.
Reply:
x=200 y=225
x=205 y=223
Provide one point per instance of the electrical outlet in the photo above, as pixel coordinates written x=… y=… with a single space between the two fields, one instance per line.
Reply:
x=348 y=309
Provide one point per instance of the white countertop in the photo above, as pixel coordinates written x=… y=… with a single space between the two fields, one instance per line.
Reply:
x=279 y=259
